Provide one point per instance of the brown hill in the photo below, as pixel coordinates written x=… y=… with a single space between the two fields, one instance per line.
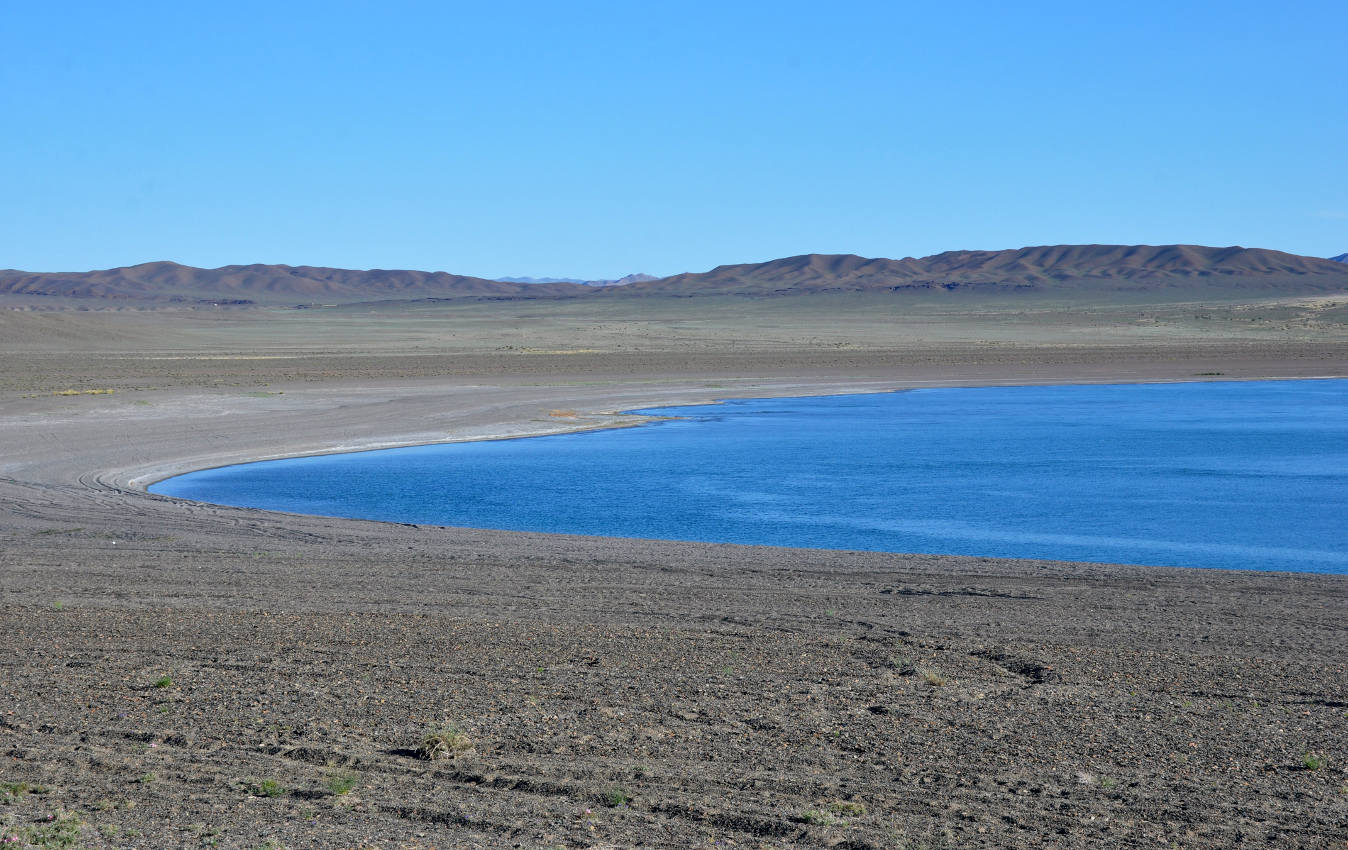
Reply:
x=1061 y=269
x=168 y=282
x=1121 y=268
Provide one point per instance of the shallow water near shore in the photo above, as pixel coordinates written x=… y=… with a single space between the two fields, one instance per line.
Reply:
x=1235 y=475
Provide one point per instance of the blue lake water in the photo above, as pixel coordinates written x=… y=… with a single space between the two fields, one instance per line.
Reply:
x=1238 y=475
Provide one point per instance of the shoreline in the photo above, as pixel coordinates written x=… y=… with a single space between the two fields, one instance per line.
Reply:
x=140 y=483
x=638 y=417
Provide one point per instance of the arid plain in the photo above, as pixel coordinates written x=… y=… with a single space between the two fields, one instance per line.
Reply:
x=178 y=674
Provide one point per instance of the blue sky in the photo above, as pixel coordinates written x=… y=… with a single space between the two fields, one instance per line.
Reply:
x=596 y=139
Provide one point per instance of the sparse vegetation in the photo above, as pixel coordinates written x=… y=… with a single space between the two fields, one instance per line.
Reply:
x=13 y=790
x=444 y=742
x=1312 y=761
x=163 y=681
x=847 y=809
x=343 y=782
x=615 y=797
x=266 y=788
x=932 y=677
x=816 y=817
x=902 y=663
x=59 y=829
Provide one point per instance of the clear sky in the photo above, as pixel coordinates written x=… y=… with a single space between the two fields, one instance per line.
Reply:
x=593 y=139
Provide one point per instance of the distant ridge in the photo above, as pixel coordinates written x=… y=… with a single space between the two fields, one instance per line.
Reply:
x=1063 y=269
x=1044 y=268
x=1342 y=258
x=267 y=284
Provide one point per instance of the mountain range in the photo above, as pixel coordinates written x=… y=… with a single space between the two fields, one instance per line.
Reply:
x=170 y=282
x=1040 y=269
x=1046 y=269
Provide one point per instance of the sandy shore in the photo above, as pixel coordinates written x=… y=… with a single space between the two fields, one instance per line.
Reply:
x=182 y=674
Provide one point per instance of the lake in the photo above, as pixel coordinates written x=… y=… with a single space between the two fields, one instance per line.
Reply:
x=1236 y=475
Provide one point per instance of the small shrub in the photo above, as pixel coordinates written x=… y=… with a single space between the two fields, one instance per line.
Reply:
x=163 y=681
x=902 y=663
x=1311 y=761
x=847 y=809
x=445 y=742
x=267 y=788
x=817 y=818
x=615 y=797
x=933 y=677
x=343 y=782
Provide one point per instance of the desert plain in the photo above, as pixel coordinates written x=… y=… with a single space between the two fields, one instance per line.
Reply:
x=178 y=674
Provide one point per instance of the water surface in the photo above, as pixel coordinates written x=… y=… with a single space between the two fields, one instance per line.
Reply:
x=1241 y=475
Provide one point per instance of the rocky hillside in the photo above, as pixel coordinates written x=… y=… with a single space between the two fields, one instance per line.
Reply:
x=1047 y=268
x=1060 y=269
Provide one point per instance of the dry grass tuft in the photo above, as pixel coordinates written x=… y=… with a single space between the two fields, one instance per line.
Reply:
x=444 y=742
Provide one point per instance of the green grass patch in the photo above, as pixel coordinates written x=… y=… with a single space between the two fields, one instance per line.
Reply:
x=59 y=829
x=343 y=782
x=266 y=788
x=615 y=797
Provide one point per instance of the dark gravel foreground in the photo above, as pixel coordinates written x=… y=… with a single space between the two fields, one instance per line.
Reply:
x=626 y=693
